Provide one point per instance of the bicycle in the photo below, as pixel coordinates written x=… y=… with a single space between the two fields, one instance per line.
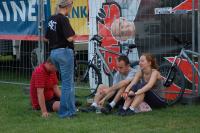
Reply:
x=34 y=58
x=84 y=70
x=174 y=79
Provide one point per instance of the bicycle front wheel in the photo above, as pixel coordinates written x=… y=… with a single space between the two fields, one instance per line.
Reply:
x=173 y=93
x=87 y=79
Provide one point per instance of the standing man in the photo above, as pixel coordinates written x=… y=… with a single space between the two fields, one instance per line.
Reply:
x=44 y=91
x=61 y=37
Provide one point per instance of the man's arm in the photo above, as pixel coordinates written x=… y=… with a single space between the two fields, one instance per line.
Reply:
x=116 y=86
x=106 y=97
x=134 y=81
x=41 y=100
x=120 y=84
x=70 y=39
x=68 y=32
x=57 y=91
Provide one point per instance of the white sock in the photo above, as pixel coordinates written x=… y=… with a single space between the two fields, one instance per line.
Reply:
x=131 y=108
x=124 y=108
x=94 y=104
x=112 y=104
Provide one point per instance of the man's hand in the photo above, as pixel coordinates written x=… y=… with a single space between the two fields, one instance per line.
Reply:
x=41 y=100
x=124 y=95
x=45 y=114
x=71 y=38
x=131 y=94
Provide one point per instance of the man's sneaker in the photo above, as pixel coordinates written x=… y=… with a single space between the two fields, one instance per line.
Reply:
x=129 y=112
x=78 y=103
x=107 y=109
x=121 y=112
x=87 y=110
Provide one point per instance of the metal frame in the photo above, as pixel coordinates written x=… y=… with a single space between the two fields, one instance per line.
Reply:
x=184 y=54
x=41 y=30
x=99 y=54
x=199 y=42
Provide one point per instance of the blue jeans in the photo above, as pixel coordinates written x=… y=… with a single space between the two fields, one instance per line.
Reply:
x=63 y=58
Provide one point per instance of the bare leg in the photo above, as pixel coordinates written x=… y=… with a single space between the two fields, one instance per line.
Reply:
x=128 y=102
x=56 y=106
x=137 y=100
x=98 y=95
x=118 y=95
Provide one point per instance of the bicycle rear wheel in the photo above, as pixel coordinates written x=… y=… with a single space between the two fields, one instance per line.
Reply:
x=84 y=87
x=174 y=92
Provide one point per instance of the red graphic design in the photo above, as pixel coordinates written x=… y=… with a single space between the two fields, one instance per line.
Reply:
x=175 y=90
x=186 y=5
x=186 y=68
x=112 y=11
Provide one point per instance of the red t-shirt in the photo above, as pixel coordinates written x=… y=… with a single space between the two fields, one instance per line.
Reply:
x=41 y=78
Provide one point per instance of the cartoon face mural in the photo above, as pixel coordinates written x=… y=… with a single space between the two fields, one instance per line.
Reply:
x=117 y=27
x=122 y=29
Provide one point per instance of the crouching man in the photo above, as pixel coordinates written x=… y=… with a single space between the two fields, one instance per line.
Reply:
x=44 y=91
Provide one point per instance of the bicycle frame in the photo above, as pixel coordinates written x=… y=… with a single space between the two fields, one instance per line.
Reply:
x=184 y=54
x=99 y=54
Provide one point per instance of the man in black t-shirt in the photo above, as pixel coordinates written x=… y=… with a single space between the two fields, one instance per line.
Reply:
x=61 y=36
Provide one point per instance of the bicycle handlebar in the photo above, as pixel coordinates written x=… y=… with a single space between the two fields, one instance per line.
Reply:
x=186 y=43
x=98 y=39
x=130 y=46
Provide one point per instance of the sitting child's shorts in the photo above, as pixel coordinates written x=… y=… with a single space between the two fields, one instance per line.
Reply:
x=138 y=86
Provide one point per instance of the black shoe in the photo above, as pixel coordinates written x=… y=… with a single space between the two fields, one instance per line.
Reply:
x=107 y=109
x=121 y=112
x=129 y=112
x=87 y=110
x=78 y=103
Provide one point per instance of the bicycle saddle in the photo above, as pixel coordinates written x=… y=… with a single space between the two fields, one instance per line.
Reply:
x=131 y=46
x=96 y=38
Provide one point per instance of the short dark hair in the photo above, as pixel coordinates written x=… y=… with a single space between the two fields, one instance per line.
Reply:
x=49 y=60
x=123 y=58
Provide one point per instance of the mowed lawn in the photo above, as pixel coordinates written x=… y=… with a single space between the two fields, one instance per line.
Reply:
x=16 y=116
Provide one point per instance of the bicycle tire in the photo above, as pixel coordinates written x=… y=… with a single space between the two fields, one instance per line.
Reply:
x=83 y=86
x=174 y=92
x=34 y=58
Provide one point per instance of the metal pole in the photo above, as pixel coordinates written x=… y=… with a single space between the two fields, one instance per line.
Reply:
x=199 y=45
x=40 y=31
x=193 y=46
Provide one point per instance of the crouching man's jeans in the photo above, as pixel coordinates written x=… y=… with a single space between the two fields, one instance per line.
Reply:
x=63 y=59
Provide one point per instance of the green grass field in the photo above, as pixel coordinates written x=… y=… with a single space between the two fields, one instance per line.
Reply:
x=16 y=116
